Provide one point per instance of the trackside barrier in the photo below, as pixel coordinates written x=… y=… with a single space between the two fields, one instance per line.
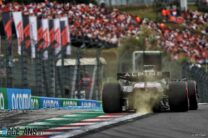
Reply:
x=21 y=99
x=69 y=102
x=15 y=99
x=79 y=107
x=3 y=99
x=49 y=102
x=35 y=102
x=88 y=103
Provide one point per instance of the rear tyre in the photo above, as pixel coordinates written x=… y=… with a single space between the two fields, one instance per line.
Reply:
x=192 y=95
x=111 y=98
x=178 y=96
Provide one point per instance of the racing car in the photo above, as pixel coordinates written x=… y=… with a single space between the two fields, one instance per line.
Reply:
x=148 y=77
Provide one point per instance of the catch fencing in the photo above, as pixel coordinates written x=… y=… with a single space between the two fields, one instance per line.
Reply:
x=52 y=77
x=200 y=76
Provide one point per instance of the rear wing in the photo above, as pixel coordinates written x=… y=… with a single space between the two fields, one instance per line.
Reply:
x=143 y=76
x=142 y=59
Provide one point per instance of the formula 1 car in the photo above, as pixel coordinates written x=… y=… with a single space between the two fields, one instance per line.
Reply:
x=147 y=83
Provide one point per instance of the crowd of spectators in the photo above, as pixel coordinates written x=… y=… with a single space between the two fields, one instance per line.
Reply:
x=190 y=41
x=194 y=20
x=185 y=44
x=98 y=22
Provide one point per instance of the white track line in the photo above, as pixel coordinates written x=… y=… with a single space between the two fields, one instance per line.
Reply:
x=70 y=115
x=80 y=124
x=57 y=119
x=39 y=124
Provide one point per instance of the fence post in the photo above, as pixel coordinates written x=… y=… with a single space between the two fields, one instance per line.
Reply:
x=38 y=72
x=62 y=71
x=74 y=82
x=9 y=65
x=23 y=62
x=98 y=64
x=96 y=78
x=52 y=72
x=78 y=74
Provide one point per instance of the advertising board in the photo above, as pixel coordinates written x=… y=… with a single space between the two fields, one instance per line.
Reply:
x=48 y=102
x=19 y=99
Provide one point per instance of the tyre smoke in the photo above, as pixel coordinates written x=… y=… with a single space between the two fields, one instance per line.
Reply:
x=144 y=101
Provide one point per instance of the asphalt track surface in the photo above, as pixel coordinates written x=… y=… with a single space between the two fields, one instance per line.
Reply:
x=191 y=124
